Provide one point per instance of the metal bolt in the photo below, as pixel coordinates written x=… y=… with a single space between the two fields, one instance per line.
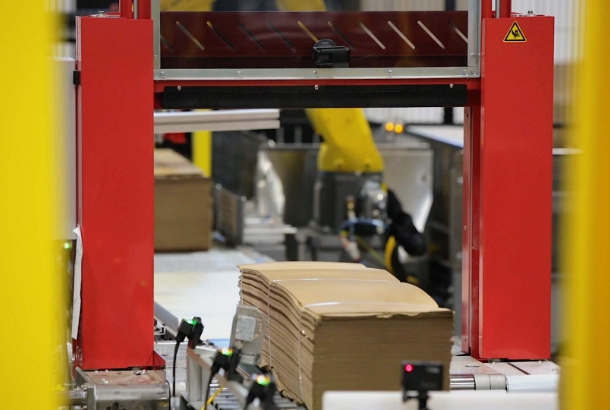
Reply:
x=162 y=74
x=316 y=87
x=179 y=87
x=450 y=85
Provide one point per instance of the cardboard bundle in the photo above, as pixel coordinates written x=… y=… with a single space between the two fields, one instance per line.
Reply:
x=343 y=327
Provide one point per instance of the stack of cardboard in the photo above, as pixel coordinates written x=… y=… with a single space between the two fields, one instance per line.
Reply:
x=183 y=204
x=342 y=326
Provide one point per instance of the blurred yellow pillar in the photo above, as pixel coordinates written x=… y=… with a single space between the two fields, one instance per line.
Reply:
x=30 y=289
x=586 y=240
x=202 y=151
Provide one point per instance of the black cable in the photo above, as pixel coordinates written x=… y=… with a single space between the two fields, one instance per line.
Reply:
x=174 y=367
x=207 y=392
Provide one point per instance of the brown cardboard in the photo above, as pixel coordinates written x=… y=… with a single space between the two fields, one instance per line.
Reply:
x=183 y=204
x=336 y=328
x=269 y=266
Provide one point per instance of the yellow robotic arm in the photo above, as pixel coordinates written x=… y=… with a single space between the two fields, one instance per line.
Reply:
x=348 y=145
x=348 y=141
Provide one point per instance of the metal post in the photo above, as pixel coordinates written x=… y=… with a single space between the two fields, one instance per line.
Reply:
x=474 y=32
x=503 y=8
x=135 y=10
x=155 y=14
x=31 y=283
x=586 y=249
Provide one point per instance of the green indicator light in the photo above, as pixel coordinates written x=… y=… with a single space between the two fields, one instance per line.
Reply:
x=190 y=322
x=67 y=245
x=263 y=380
x=227 y=352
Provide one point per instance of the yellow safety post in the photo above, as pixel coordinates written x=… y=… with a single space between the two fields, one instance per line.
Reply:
x=586 y=240
x=30 y=286
x=202 y=151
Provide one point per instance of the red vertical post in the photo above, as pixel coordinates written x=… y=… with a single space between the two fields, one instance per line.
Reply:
x=470 y=233
x=515 y=193
x=116 y=192
x=126 y=8
x=486 y=9
x=144 y=9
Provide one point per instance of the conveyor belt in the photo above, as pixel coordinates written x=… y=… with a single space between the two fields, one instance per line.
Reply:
x=205 y=284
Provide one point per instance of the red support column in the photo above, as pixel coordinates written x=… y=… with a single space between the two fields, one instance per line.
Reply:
x=126 y=8
x=515 y=193
x=116 y=192
x=470 y=233
x=486 y=9
x=144 y=9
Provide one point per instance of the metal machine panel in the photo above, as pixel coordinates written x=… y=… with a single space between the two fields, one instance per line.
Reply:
x=116 y=192
x=514 y=289
x=125 y=390
x=203 y=40
x=408 y=172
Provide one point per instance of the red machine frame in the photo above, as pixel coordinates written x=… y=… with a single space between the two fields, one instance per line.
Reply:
x=507 y=186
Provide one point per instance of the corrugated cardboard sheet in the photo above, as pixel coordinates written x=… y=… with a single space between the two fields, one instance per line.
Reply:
x=343 y=326
x=183 y=204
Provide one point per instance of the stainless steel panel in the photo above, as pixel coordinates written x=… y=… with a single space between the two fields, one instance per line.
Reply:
x=125 y=390
x=409 y=174
x=296 y=168
x=408 y=171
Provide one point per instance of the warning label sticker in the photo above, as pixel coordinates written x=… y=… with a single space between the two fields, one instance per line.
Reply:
x=515 y=34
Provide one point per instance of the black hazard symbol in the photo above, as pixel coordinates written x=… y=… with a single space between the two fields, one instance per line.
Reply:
x=515 y=34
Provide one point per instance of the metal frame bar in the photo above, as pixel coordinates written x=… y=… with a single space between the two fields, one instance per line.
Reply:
x=226 y=120
x=318 y=74
x=500 y=324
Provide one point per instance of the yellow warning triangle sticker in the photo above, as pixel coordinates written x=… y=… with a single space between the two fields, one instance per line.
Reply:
x=515 y=34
